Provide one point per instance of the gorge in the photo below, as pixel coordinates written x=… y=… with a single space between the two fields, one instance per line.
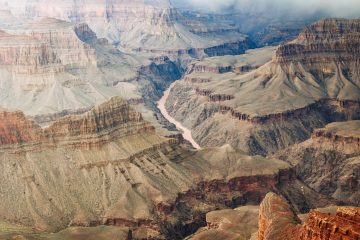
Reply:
x=139 y=120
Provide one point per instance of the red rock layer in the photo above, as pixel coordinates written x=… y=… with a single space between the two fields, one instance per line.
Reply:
x=277 y=220
x=15 y=129
x=344 y=225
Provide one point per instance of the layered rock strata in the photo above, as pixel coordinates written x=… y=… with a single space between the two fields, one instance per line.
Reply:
x=109 y=166
x=309 y=83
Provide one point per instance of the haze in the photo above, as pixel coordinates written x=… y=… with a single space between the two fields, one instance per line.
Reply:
x=335 y=8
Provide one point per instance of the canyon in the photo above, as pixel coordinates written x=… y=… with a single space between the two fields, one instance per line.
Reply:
x=137 y=119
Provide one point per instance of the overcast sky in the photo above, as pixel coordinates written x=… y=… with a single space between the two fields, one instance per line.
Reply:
x=337 y=8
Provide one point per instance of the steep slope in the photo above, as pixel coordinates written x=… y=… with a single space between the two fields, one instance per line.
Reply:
x=109 y=166
x=310 y=82
x=277 y=220
x=329 y=161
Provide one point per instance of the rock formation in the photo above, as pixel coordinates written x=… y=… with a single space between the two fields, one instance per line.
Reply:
x=16 y=129
x=277 y=220
x=329 y=161
x=308 y=83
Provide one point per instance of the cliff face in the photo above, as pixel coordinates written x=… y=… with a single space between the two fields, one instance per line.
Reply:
x=309 y=83
x=278 y=221
x=343 y=225
x=26 y=56
x=35 y=55
x=62 y=38
x=329 y=161
x=25 y=50
x=318 y=41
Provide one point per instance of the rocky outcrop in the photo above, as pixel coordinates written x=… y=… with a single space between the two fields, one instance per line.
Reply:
x=234 y=48
x=46 y=119
x=214 y=97
x=84 y=33
x=277 y=220
x=219 y=69
x=343 y=225
x=16 y=129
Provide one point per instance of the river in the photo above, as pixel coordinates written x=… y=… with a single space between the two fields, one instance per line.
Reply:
x=185 y=132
